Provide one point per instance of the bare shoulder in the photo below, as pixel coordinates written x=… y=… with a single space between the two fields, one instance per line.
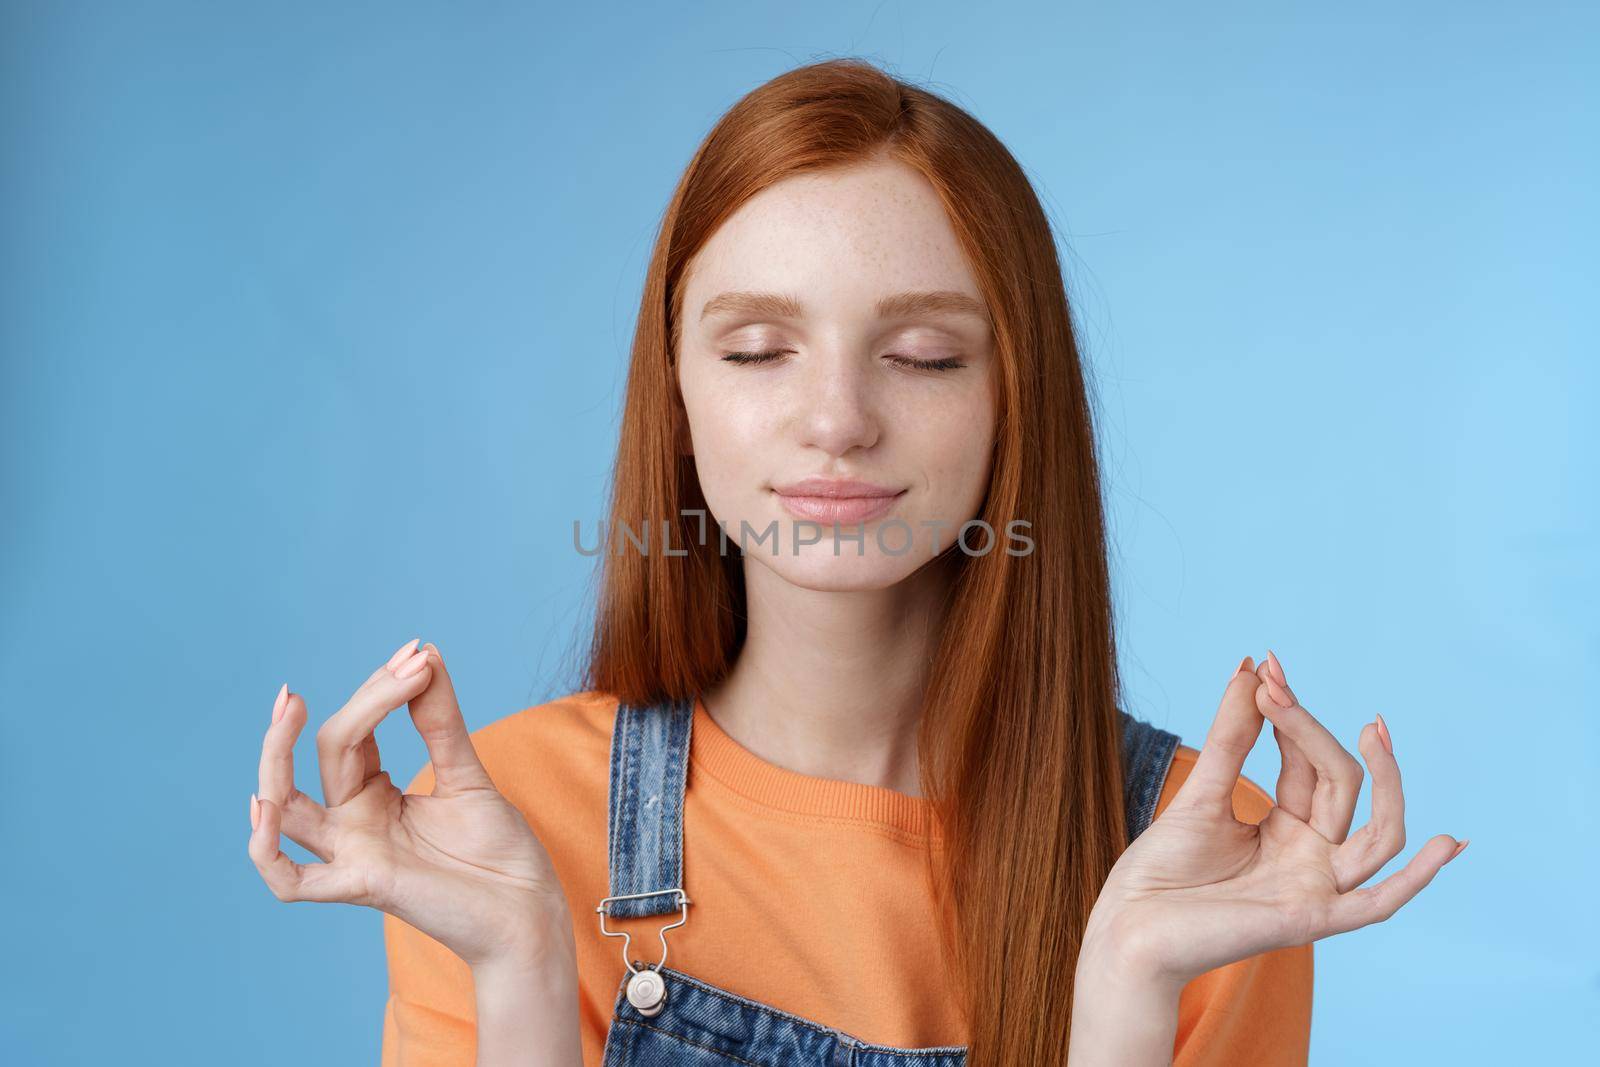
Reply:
x=1250 y=802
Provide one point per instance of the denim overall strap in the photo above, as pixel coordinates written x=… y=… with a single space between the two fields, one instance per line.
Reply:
x=649 y=771
x=678 y=1019
x=1146 y=755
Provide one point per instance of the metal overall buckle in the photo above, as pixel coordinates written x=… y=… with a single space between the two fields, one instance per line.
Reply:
x=646 y=990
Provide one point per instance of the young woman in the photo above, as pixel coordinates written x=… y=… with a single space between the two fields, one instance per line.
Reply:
x=850 y=743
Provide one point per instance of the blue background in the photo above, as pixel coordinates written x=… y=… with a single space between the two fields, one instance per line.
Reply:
x=315 y=327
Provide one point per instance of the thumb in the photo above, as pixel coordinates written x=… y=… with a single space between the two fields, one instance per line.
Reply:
x=1233 y=734
x=436 y=714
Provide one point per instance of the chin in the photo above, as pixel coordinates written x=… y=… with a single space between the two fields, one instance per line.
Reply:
x=818 y=569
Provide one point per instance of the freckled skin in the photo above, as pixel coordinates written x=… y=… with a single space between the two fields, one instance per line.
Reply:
x=833 y=405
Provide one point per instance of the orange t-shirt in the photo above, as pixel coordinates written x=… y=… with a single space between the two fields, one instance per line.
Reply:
x=807 y=893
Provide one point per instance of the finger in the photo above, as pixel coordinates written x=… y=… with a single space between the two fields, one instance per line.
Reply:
x=304 y=820
x=1339 y=775
x=1363 y=907
x=1296 y=777
x=287 y=879
x=346 y=759
x=1384 y=835
x=401 y=654
x=437 y=716
x=1233 y=734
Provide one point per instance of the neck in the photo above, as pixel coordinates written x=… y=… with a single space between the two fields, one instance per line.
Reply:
x=830 y=684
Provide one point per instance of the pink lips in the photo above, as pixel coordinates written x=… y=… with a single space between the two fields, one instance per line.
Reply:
x=841 y=500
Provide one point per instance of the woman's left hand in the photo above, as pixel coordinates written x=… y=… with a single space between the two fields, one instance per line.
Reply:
x=1199 y=888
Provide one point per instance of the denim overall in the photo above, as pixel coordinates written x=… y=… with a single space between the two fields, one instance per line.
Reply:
x=666 y=1018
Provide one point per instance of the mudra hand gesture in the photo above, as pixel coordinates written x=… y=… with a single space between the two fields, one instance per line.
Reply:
x=461 y=865
x=1200 y=889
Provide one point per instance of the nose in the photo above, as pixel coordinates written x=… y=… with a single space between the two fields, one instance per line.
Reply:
x=838 y=409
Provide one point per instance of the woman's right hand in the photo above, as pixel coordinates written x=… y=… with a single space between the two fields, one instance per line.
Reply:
x=461 y=865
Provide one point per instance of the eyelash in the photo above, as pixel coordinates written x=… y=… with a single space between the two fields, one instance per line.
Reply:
x=946 y=363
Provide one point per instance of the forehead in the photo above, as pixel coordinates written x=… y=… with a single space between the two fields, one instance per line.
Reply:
x=871 y=227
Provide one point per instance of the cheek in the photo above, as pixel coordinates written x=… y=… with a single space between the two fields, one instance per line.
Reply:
x=729 y=422
x=729 y=432
x=960 y=471
x=954 y=439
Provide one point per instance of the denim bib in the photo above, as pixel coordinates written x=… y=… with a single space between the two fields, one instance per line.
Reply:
x=666 y=1018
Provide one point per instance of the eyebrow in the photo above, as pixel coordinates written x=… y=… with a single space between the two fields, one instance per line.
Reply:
x=910 y=302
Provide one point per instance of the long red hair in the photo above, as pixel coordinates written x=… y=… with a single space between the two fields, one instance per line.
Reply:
x=1019 y=744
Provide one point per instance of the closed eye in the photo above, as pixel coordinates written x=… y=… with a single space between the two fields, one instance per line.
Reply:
x=753 y=357
x=943 y=363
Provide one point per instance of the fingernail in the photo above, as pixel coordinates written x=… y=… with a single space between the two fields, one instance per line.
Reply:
x=1244 y=665
x=401 y=653
x=255 y=812
x=1276 y=668
x=1462 y=847
x=412 y=665
x=1277 y=685
x=1280 y=696
x=1383 y=734
x=280 y=702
